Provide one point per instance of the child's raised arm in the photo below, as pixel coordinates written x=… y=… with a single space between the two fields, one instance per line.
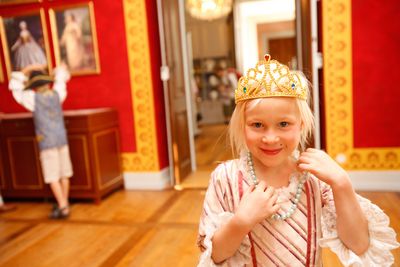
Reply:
x=352 y=226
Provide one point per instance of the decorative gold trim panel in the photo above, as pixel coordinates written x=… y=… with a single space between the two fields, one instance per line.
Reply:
x=146 y=156
x=1 y=72
x=337 y=47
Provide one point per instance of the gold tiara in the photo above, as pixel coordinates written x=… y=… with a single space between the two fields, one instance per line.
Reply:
x=270 y=78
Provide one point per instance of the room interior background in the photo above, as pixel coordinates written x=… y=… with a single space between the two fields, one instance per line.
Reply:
x=358 y=101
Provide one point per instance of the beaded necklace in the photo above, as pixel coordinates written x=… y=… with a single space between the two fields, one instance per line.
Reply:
x=296 y=200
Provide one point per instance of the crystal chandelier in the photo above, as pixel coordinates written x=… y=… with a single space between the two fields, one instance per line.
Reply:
x=208 y=9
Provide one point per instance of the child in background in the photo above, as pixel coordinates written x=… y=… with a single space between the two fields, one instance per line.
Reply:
x=279 y=203
x=30 y=88
x=227 y=82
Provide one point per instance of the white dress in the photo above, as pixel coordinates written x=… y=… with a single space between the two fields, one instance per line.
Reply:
x=296 y=241
x=27 y=52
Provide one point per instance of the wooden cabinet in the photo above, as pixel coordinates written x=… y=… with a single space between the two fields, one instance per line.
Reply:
x=93 y=136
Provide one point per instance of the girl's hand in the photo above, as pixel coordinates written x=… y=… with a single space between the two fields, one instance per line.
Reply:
x=256 y=204
x=321 y=165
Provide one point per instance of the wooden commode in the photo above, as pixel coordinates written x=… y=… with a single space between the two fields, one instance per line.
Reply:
x=93 y=136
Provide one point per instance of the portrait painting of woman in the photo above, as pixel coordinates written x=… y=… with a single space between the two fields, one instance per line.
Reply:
x=74 y=36
x=25 y=41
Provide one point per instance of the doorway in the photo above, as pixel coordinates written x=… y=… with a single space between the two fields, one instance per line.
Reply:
x=232 y=43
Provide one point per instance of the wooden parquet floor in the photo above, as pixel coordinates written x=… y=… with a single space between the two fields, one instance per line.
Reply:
x=130 y=228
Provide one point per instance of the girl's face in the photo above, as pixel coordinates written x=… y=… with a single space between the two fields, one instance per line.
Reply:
x=272 y=130
x=22 y=25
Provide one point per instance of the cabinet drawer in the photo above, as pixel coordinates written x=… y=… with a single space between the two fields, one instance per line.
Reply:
x=92 y=121
x=76 y=124
x=18 y=127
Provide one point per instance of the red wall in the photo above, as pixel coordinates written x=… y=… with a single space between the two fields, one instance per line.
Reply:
x=376 y=58
x=110 y=88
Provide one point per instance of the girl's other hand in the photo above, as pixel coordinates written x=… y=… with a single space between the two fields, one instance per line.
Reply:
x=321 y=165
x=258 y=203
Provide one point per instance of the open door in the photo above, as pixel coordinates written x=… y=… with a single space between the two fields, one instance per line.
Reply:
x=174 y=87
x=309 y=59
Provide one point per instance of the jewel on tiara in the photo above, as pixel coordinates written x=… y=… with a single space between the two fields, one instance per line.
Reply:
x=270 y=78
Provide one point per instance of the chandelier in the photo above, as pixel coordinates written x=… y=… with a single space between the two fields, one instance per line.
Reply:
x=208 y=9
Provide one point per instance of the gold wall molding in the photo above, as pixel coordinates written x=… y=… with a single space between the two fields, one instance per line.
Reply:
x=146 y=156
x=337 y=47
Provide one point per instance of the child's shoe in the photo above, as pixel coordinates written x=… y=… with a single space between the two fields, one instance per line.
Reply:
x=59 y=213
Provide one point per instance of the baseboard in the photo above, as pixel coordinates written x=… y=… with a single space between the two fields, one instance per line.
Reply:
x=362 y=180
x=375 y=180
x=148 y=180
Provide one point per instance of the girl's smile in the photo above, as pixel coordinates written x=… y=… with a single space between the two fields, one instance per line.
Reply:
x=271 y=152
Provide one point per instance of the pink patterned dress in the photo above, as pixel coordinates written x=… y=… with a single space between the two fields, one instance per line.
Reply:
x=296 y=241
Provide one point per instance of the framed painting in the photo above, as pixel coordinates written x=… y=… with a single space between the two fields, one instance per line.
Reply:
x=15 y=2
x=74 y=37
x=25 y=42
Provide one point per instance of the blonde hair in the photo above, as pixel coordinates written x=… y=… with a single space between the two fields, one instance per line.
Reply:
x=237 y=123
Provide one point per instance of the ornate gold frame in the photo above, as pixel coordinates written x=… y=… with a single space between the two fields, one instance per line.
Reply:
x=54 y=34
x=1 y=73
x=337 y=47
x=7 y=58
x=145 y=159
x=16 y=2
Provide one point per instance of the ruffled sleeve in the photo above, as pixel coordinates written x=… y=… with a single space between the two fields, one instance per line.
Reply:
x=61 y=76
x=17 y=85
x=382 y=237
x=217 y=211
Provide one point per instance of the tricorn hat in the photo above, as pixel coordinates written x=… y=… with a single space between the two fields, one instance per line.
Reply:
x=38 y=78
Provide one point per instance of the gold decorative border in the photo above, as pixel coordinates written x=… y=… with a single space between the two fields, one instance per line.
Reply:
x=337 y=47
x=1 y=72
x=146 y=156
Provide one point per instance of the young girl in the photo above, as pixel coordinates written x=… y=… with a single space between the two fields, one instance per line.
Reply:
x=275 y=206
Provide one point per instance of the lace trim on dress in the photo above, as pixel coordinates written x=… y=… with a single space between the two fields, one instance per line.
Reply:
x=287 y=192
x=242 y=255
x=382 y=237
